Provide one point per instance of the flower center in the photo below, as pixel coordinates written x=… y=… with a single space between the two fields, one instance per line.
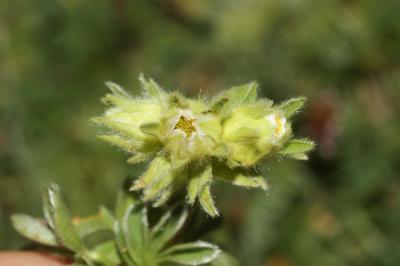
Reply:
x=186 y=125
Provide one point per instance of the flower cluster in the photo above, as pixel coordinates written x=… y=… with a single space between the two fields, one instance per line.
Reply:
x=191 y=141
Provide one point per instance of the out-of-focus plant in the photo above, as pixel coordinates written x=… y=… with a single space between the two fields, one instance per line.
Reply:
x=189 y=143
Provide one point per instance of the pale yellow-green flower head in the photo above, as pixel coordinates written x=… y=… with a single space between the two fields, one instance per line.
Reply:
x=190 y=142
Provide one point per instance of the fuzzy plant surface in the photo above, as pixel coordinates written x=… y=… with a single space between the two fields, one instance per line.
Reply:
x=124 y=237
x=188 y=143
x=191 y=142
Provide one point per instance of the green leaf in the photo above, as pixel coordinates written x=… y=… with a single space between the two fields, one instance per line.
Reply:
x=167 y=227
x=135 y=230
x=224 y=259
x=124 y=200
x=153 y=89
x=59 y=220
x=196 y=253
x=104 y=220
x=33 y=229
x=297 y=146
x=290 y=107
x=235 y=97
x=122 y=246
x=207 y=202
x=106 y=253
x=128 y=229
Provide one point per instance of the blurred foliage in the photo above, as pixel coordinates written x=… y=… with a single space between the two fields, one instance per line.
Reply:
x=340 y=208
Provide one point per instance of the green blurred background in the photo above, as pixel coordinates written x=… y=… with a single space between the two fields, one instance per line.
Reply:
x=340 y=208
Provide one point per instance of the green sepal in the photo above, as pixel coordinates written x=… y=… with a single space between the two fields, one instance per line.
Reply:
x=157 y=169
x=153 y=90
x=33 y=229
x=207 y=202
x=200 y=176
x=240 y=176
x=119 y=127
x=297 y=146
x=137 y=158
x=234 y=97
x=176 y=99
x=128 y=145
x=152 y=129
x=250 y=181
x=164 y=196
x=298 y=156
x=117 y=90
x=154 y=190
x=292 y=106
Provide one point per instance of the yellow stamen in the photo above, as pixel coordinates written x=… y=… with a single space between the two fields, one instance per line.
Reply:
x=279 y=126
x=186 y=125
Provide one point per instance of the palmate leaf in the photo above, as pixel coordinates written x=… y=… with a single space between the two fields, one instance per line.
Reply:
x=59 y=220
x=196 y=253
x=135 y=243
x=136 y=231
x=131 y=226
x=105 y=254
x=130 y=235
x=122 y=245
x=167 y=227
x=33 y=229
x=104 y=220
